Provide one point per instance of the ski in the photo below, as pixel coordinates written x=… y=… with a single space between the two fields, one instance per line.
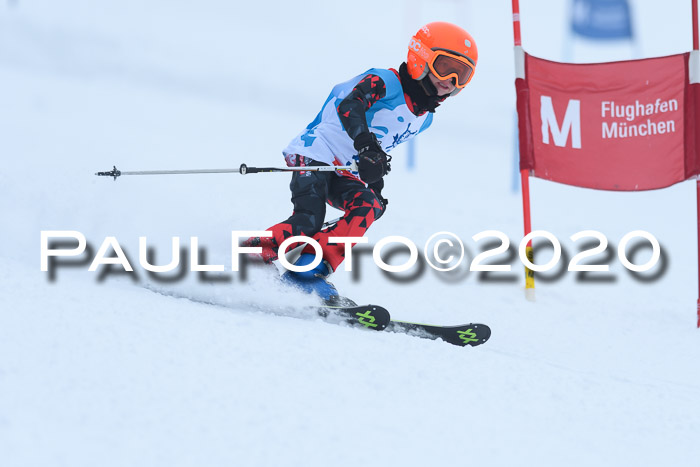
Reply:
x=378 y=318
x=472 y=334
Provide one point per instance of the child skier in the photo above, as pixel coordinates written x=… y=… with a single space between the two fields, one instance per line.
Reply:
x=362 y=120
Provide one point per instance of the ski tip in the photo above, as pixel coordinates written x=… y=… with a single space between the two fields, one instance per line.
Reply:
x=375 y=313
x=471 y=335
x=484 y=333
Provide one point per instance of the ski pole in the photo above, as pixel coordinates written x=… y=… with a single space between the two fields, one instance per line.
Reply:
x=243 y=170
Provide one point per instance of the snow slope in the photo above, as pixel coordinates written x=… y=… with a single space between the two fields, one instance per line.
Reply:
x=97 y=370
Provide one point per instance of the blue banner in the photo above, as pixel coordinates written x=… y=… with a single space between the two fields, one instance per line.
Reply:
x=602 y=19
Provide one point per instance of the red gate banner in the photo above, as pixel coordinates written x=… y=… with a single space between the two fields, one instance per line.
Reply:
x=624 y=126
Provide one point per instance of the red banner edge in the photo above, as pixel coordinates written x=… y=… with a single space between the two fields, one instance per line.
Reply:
x=525 y=144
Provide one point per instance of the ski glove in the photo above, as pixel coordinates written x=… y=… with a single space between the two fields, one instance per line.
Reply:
x=373 y=162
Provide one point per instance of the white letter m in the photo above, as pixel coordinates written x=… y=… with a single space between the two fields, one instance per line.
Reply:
x=572 y=123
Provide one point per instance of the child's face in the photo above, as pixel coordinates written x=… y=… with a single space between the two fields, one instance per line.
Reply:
x=443 y=87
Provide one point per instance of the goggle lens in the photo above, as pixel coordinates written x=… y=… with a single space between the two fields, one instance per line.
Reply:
x=446 y=65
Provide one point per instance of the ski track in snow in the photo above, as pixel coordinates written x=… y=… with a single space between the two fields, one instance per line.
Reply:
x=97 y=370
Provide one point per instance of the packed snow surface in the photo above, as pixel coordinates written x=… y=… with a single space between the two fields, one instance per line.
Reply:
x=112 y=368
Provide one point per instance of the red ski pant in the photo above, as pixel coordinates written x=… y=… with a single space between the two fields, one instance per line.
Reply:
x=311 y=191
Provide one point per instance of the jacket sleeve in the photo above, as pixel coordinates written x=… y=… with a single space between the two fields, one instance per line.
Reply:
x=352 y=109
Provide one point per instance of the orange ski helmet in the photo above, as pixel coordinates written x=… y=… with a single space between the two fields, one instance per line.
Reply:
x=444 y=49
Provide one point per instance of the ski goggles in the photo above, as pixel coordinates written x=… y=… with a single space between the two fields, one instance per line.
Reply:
x=445 y=63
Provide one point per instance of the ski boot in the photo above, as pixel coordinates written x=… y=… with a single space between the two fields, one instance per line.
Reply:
x=313 y=281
